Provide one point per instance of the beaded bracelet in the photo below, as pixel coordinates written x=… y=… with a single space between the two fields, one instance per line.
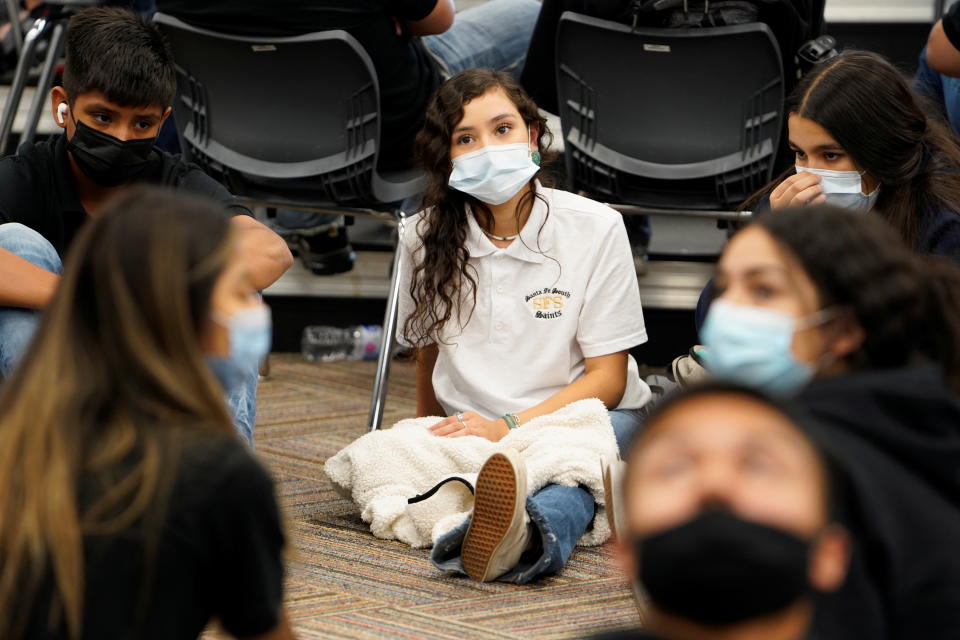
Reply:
x=512 y=420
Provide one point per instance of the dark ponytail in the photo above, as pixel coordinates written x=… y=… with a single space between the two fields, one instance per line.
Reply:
x=907 y=305
x=869 y=109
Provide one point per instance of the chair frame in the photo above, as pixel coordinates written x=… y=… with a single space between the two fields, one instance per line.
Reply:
x=390 y=216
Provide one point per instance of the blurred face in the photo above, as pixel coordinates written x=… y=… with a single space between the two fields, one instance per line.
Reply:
x=731 y=451
x=97 y=112
x=490 y=119
x=815 y=148
x=755 y=271
x=232 y=292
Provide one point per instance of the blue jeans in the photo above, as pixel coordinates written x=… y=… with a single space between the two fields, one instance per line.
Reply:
x=560 y=515
x=17 y=326
x=942 y=90
x=494 y=35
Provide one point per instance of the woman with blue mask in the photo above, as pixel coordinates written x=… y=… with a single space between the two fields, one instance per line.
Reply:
x=862 y=140
x=828 y=306
x=131 y=506
x=520 y=300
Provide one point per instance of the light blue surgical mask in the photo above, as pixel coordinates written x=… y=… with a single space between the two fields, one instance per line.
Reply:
x=495 y=173
x=751 y=346
x=250 y=334
x=844 y=189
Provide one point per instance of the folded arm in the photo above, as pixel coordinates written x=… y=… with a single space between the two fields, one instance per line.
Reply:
x=24 y=284
x=266 y=253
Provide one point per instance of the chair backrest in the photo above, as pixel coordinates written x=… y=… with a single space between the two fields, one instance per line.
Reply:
x=669 y=117
x=293 y=118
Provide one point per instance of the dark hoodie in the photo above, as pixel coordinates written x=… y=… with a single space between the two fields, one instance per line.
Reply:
x=894 y=438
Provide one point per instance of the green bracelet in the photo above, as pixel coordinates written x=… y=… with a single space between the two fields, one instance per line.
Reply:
x=513 y=422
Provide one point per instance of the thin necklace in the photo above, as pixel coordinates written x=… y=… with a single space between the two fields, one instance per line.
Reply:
x=501 y=238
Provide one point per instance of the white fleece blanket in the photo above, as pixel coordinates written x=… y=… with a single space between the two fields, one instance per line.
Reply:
x=382 y=469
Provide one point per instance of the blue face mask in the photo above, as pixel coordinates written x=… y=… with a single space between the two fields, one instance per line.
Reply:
x=752 y=346
x=493 y=174
x=844 y=189
x=250 y=332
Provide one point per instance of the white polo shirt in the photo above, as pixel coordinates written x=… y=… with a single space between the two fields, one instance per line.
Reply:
x=537 y=314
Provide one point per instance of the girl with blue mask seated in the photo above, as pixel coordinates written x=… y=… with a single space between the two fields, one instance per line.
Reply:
x=863 y=141
x=130 y=507
x=829 y=306
x=520 y=299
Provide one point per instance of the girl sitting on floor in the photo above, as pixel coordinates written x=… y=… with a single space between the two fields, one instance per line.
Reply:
x=520 y=299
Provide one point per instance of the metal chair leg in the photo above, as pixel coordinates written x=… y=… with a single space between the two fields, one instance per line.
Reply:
x=20 y=80
x=45 y=83
x=13 y=15
x=379 y=397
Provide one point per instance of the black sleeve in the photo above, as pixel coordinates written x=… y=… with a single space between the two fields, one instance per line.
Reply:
x=411 y=9
x=247 y=541
x=20 y=197
x=951 y=25
x=194 y=180
x=188 y=177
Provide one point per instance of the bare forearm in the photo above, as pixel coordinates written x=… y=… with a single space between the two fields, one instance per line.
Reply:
x=266 y=253
x=427 y=404
x=942 y=56
x=439 y=20
x=24 y=284
x=596 y=384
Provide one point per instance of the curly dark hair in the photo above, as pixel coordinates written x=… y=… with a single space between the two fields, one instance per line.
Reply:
x=907 y=304
x=865 y=103
x=443 y=283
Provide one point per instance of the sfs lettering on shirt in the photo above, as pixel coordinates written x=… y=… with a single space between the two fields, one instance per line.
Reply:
x=547 y=303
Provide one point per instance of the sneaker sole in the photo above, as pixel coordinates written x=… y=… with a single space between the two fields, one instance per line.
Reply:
x=495 y=506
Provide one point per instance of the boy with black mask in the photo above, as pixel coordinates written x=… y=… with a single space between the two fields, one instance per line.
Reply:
x=727 y=518
x=118 y=84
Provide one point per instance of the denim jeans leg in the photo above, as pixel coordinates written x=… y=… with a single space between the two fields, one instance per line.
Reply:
x=494 y=35
x=17 y=326
x=559 y=515
x=626 y=423
x=943 y=90
x=242 y=403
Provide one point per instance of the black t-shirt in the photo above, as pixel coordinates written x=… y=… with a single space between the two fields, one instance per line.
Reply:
x=219 y=555
x=38 y=190
x=406 y=72
x=951 y=25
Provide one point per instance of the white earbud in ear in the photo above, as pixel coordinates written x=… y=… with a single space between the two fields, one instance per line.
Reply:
x=61 y=112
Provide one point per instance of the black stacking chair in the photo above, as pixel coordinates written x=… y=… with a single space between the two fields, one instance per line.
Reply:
x=291 y=122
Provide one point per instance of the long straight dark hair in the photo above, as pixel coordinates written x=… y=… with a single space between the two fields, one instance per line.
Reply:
x=443 y=284
x=113 y=382
x=866 y=105
x=907 y=304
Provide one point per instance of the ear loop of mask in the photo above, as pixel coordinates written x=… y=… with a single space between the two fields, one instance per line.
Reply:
x=815 y=319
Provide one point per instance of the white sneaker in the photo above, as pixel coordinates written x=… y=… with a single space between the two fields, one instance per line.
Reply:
x=498 y=533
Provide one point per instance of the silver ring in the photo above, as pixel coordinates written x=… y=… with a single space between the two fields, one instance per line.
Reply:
x=460 y=418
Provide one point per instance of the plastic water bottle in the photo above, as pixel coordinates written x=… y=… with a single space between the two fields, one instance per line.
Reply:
x=329 y=344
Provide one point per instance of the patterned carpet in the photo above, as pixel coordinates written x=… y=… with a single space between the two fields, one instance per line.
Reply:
x=344 y=583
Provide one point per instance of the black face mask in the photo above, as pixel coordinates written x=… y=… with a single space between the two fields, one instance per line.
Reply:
x=720 y=569
x=106 y=160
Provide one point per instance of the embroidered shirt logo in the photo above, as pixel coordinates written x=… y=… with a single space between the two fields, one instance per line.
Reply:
x=547 y=302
